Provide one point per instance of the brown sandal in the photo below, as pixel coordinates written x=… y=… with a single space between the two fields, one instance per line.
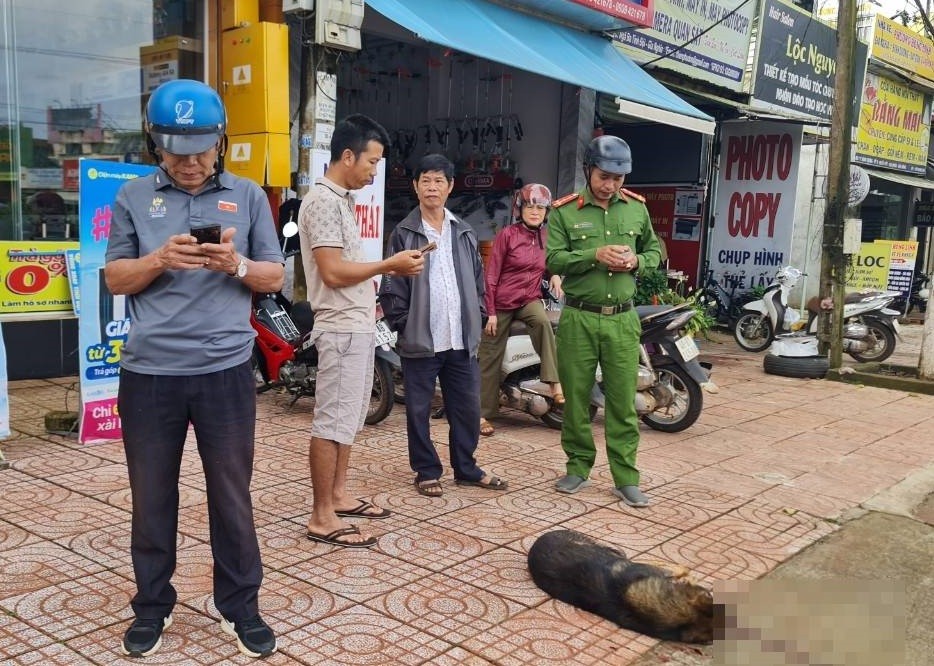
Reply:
x=429 y=487
x=486 y=428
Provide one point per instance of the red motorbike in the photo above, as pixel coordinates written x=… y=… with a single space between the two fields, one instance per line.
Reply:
x=284 y=355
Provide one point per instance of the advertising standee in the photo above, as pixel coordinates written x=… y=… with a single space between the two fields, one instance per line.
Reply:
x=102 y=323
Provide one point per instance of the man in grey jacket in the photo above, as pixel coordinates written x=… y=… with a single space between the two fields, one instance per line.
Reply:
x=439 y=315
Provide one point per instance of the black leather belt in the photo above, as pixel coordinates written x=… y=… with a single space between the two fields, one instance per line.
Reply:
x=599 y=309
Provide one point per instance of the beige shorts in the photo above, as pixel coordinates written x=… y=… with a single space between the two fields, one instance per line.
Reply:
x=344 y=385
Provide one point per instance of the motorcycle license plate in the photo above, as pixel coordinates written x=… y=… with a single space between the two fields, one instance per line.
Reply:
x=384 y=336
x=687 y=347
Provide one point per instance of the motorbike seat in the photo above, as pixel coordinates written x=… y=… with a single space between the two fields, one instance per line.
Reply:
x=813 y=303
x=303 y=316
x=518 y=327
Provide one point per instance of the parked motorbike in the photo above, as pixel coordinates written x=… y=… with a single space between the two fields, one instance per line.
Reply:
x=764 y=318
x=869 y=325
x=669 y=397
x=284 y=355
x=870 y=328
x=917 y=296
x=722 y=306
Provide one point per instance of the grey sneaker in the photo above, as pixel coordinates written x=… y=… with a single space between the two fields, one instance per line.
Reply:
x=570 y=484
x=631 y=495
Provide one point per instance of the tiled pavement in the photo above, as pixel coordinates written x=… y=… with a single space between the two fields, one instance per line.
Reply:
x=765 y=472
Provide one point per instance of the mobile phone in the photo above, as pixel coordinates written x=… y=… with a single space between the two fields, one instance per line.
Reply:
x=208 y=234
x=428 y=248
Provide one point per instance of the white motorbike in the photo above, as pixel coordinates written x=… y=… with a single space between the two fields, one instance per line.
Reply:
x=669 y=394
x=870 y=328
x=770 y=315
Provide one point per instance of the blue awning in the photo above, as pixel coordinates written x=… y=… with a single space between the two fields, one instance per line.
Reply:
x=534 y=44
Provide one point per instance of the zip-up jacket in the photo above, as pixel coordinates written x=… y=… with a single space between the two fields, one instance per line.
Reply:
x=516 y=268
x=405 y=300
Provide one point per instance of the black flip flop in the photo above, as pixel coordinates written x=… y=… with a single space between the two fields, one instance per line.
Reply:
x=360 y=511
x=334 y=538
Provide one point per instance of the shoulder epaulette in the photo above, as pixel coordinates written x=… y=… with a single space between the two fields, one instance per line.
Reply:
x=567 y=198
x=629 y=193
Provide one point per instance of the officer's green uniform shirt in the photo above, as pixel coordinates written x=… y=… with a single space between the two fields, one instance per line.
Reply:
x=577 y=227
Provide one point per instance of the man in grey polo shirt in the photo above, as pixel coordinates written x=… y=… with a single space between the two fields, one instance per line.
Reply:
x=343 y=297
x=187 y=360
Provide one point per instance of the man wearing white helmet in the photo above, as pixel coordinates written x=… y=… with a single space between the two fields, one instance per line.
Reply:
x=188 y=245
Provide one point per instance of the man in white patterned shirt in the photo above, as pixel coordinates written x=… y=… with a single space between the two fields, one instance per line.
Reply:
x=340 y=290
x=439 y=315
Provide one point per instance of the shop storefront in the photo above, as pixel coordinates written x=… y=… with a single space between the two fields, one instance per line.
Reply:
x=75 y=77
x=509 y=94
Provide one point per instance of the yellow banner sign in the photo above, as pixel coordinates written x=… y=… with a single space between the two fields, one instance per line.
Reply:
x=903 y=47
x=34 y=276
x=894 y=126
x=883 y=265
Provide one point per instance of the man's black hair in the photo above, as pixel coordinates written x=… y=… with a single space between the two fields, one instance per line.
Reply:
x=354 y=132
x=435 y=162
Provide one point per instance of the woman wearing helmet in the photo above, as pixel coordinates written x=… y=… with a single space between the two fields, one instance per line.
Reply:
x=513 y=291
x=187 y=358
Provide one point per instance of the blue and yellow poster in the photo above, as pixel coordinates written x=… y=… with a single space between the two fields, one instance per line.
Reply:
x=103 y=323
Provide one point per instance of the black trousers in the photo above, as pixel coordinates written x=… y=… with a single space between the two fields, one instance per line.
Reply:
x=459 y=375
x=155 y=411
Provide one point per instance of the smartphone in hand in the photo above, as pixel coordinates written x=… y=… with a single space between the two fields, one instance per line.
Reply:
x=428 y=248
x=209 y=234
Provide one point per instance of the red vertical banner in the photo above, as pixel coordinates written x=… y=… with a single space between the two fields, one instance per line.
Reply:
x=676 y=214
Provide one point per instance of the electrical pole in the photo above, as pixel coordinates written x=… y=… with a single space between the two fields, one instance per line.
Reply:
x=833 y=261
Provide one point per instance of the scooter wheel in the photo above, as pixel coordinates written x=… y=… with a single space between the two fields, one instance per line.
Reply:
x=802 y=367
x=555 y=418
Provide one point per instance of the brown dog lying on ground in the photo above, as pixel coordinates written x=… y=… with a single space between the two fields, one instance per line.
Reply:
x=648 y=599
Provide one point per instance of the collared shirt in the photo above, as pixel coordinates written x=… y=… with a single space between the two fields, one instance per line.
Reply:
x=326 y=219
x=445 y=302
x=189 y=321
x=578 y=228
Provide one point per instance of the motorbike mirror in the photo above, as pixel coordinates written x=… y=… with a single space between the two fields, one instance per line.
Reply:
x=289 y=229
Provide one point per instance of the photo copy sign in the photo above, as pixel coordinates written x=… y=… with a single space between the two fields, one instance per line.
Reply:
x=755 y=207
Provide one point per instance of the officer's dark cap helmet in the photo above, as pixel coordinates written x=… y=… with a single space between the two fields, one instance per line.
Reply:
x=610 y=154
x=185 y=117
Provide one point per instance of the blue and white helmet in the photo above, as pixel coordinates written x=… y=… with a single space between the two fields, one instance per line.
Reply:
x=185 y=117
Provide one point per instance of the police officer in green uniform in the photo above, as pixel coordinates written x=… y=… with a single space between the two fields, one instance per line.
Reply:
x=598 y=239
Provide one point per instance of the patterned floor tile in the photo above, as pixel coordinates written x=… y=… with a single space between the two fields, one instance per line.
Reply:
x=432 y=547
x=18 y=637
x=74 y=607
x=192 y=639
x=355 y=573
x=37 y=565
x=547 y=505
x=459 y=657
x=555 y=633
x=699 y=496
x=12 y=536
x=59 y=460
x=362 y=636
x=101 y=480
x=815 y=504
x=491 y=523
x=502 y=571
x=741 y=485
x=443 y=607
x=53 y=655
x=708 y=558
x=285 y=603
x=66 y=517
x=631 y=533
x=25 y=492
